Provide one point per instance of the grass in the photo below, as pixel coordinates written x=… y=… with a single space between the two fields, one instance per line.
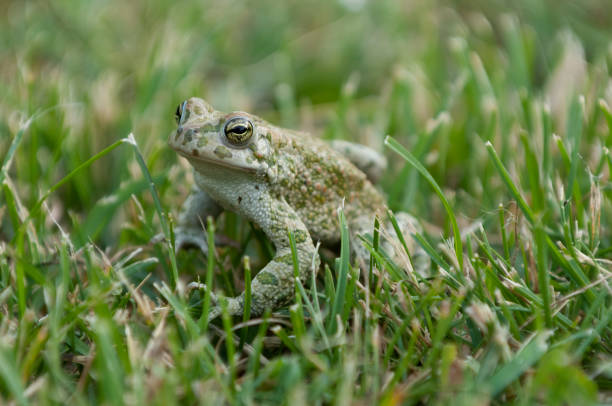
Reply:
x=497 y=125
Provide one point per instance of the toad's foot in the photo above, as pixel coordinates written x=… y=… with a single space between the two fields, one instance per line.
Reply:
x=234 y=305
x=201 y=286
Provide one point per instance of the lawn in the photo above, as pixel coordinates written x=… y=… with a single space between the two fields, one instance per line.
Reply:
x=495 y=117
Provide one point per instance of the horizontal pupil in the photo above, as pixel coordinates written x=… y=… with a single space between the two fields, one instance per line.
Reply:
x=239 y=129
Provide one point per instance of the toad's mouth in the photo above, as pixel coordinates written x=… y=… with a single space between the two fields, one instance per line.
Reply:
x=207 y=161
x=205 y=152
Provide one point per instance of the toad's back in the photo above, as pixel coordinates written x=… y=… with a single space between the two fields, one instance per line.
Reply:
x=315 y=180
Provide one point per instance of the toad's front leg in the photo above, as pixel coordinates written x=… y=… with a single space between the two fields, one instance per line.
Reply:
x=274 y=286
x=192 y=217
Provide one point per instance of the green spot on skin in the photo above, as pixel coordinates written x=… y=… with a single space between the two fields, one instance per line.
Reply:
x=197 y=110
x=256 y=153
x=202 y=141
x=300 y=236
x=284 y=259
x=267 y=278
x=208 y=128
x=222 y=152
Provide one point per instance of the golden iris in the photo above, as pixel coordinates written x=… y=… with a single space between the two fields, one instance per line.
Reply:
x=238 y=130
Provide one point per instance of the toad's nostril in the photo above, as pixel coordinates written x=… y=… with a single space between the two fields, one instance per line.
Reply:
x=178 y=133
x=189 y=135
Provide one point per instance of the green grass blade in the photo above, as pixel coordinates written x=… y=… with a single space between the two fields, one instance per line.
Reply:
x=404 y=153
x=34 y=210
x=158 y=207
x=510 y=183
x=520 y=363
x=343 y=269
x=210 y=269
x=574 y=132
x=10 y=375
x=543 y=272
x=247 y=298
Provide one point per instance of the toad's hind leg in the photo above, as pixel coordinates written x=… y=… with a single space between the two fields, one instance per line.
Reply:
x=359 y=228
x=369 y=161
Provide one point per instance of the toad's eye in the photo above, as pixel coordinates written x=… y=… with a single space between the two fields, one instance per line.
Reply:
x=238 y=130
x=179 y=113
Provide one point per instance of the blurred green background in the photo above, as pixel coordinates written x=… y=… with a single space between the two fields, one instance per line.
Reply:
x=354 y=69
